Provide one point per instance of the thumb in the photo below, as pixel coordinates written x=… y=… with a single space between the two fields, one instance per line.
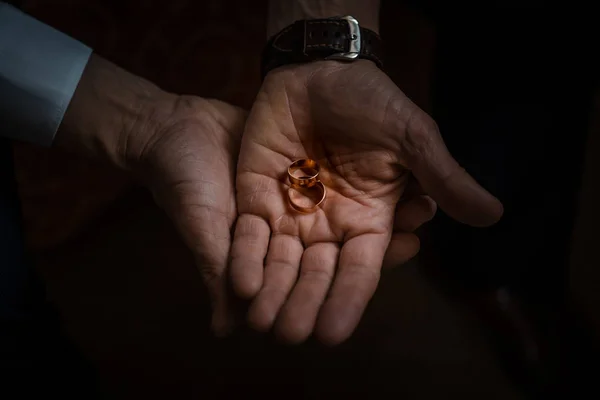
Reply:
x=443 y=179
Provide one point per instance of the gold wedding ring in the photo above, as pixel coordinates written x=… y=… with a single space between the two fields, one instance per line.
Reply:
x=320 y=190
x=307 y=185
x=310 y=170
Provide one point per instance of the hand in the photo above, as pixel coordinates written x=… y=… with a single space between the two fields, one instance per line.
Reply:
x=318 y=271
x=189 y=164
x=183 y=147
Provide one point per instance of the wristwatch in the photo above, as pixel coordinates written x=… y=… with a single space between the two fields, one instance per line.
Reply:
x=338 y=38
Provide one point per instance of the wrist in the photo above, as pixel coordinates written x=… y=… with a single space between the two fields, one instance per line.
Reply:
x=112 y=114
x=283 y=13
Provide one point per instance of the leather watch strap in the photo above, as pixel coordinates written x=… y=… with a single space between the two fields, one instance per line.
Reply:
x=318 y=39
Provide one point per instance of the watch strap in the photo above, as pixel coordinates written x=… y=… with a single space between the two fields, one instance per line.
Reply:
x=320 y=39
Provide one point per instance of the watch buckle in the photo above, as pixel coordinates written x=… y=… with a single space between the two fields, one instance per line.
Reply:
x=355 y=41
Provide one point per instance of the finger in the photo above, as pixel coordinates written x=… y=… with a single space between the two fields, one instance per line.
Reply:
x=403 y=246
x=358 y=273
x=223 y=320
x=211 y=248
x=248 y=251
x=281 y=272
x=414 y=212
x=299 y=314
x=456 y=192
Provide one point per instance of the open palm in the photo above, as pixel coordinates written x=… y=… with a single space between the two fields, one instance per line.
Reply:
x=318 y=271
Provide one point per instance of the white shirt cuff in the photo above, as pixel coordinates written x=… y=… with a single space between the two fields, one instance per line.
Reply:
x=40 y=68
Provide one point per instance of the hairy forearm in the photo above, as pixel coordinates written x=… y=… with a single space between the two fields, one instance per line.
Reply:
x=284 y=12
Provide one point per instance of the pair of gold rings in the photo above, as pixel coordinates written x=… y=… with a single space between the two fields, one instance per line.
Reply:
x=304 y=180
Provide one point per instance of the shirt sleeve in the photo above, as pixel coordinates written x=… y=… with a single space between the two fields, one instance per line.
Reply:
x=40 y=68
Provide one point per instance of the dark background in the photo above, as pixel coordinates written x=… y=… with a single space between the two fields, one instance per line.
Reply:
x=512 y=91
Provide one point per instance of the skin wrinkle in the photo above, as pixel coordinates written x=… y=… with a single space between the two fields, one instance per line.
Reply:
x=415 y=149
x=361 y=197
x=322 y=215
x=291 y=114
x=253 y=216
x=214 y=205
x=339 y=164
x=124 y=137
x=182 y=147
x=384 y=123
x=257 y=190
x=333 y=119
x=201 y=165
x=277 y=220
x=303 y=230
x=180 y=102
x=268 y=103
x=364 y=272
x=276 y=153
x=294 y=237
x=181 y=186
x=223 y=123
x=276 y=289
x=259 y=187
x=208 y=232
x=266 y=190
x=360 y=167
x=330 y=193
x=184 y=182
x=251 y=242
x=384 y=230
x=282 y=222
x=182 y=201
x=318 y=275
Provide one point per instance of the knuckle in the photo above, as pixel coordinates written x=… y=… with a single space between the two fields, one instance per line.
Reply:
x=250 y=227
x=209 y=273
x=361 y=273
x=317 y=275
